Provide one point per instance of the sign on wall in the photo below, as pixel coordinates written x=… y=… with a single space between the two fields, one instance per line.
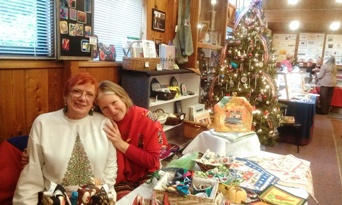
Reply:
x=284 y=44
x=333 y=46
x=310 y=45
x=74 y=27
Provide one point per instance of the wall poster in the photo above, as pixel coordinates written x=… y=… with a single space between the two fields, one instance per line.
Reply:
x=74 y=27
x=283 y=44
x=310 y=45
x=333 y=46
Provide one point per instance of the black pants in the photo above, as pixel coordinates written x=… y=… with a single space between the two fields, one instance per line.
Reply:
x=326 y=94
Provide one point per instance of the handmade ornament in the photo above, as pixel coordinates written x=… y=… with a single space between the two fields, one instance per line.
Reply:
x=233 y=114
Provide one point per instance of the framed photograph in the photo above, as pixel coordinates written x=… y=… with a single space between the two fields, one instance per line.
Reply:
x=178 y=107
x=202 y=117
x=183 y=89
x=158 y=20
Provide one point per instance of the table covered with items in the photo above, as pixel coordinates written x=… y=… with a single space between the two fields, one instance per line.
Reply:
x=208 y=178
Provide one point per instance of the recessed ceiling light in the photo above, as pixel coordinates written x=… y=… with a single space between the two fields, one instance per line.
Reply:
x=292 y=2
x=294 y=25
x=335 y=25
x=339 y=1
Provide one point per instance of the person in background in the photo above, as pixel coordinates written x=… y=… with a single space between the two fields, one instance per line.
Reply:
x=287 y=63
x=68 y=146
x=135 y=133
x=313 y=68
x=326 y=80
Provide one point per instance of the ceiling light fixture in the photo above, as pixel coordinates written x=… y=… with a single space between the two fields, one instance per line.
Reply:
x=292 y=2
x=294 y=25
x=335 y=25
x=338 y=1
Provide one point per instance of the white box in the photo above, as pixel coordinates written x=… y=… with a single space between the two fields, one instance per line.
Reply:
x=193 y=109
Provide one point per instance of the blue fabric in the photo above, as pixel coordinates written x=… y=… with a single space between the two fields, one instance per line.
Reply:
x=19 y=142
x=304 y=113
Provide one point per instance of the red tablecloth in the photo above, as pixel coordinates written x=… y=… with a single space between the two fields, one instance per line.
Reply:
x=337 y=97
x=336 y=100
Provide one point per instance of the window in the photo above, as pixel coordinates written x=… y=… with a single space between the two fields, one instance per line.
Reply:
x=27 y=29
x=114 y=20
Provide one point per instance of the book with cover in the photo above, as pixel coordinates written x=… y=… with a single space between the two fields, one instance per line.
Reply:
x=275 y=195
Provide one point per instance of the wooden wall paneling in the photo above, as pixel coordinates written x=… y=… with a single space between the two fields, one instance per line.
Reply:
x=36 y=83
x=101 y=74
x=169 y=8
x=12 y=103
x=55 y=89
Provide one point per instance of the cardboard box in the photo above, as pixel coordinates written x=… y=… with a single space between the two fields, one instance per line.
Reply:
x=190 y=199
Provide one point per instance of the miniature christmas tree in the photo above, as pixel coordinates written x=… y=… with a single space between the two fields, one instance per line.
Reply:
x=247 y=67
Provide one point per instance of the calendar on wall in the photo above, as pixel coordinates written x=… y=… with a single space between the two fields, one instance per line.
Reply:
x=284 y=44
x=74 y=29
x=333 y=46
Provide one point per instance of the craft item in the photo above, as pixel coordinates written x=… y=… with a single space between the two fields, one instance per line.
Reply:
x=233 y=114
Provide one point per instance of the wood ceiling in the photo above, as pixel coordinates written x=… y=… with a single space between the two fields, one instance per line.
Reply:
x=314 y=16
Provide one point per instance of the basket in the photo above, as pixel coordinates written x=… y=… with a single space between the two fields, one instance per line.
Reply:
x=137 y=63
x=192 y=129
x=205 y=166
x=190 y=199
x=161 y=115
x=148 y=64
x=164 y=95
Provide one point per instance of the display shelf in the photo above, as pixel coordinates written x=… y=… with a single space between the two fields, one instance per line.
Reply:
x=138 y=86
x=169 y=127
x=153 y=102
x=182 y=142
x=208 y=46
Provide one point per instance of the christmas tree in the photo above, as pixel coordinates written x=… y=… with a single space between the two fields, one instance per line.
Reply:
x=247 y=67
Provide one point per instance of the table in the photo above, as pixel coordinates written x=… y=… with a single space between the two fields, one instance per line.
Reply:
x=337 y=97
x=246 y=146
x=304 y=113
x=145 y=190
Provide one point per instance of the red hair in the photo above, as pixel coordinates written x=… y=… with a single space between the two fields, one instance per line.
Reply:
x=80 y=79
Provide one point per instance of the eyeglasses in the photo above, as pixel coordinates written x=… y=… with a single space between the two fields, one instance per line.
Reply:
x=79 y=93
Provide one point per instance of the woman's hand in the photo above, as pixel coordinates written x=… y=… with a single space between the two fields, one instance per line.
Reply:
x=114 y=135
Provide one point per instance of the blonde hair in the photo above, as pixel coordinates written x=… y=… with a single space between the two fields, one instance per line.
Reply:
x=107 y=88
x=289 y=56
x=331 y=64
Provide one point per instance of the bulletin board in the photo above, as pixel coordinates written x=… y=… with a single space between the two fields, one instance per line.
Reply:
x=284 y=44
x=310 y=45
x=333 y=46
x=74 y=27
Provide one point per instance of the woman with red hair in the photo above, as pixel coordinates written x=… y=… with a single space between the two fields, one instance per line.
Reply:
x=69 y=146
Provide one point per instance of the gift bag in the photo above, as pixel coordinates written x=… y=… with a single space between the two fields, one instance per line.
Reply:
x=107 y=52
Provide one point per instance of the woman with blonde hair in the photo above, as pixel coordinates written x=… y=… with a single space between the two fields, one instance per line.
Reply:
x=136 y=134
x=326 y=79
